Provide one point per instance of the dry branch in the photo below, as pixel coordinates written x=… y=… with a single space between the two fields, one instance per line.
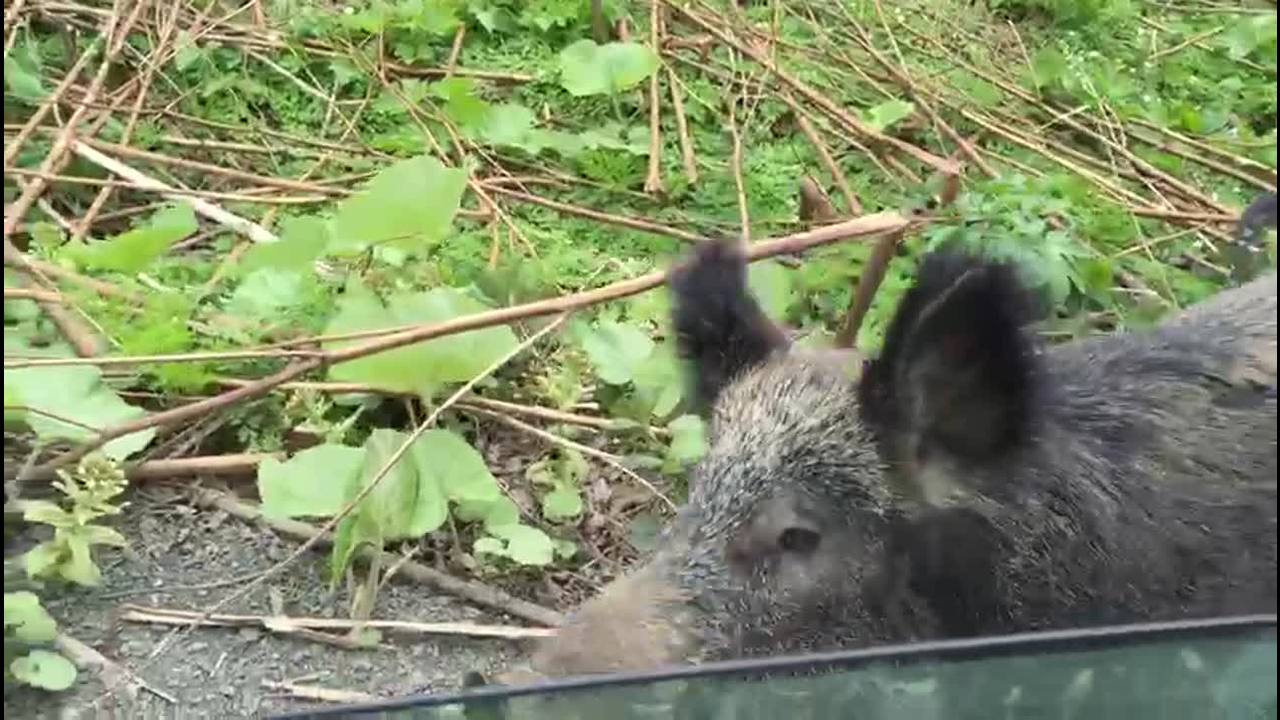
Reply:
x=868 y=225
x=285 y=624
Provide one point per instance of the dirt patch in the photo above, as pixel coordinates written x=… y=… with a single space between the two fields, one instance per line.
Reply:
x=224 y=672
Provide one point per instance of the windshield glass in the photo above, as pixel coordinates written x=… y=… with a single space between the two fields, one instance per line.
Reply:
x=1220 y=669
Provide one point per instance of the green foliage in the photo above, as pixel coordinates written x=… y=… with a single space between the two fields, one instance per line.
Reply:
x=139 y=247
x=887 y=114
x=302 y=240
x=590 y=69
x=26 y=627
x=771 y=283
x=616 y=350
x=1009 y=219
x=563 y=476
x=408 y=204
x=22 y=74
x=1070 y=13
x=688 y=442
x=70 y=402
x=89 y=494
x=422 y=367
x=439 y=470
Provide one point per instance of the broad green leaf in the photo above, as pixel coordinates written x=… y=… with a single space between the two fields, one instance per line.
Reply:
x=1246 y=36
x=431 y=506
x=497 y=513
x=489 y=546
x=508 y=124
x=887 y=114
x=263 y=293
x=523 y=544
x=302 y=240
x=461 y=103
x=313 y=483
x=562 y=503
x=1048 y=67
x=564 y=549
x=77 y=565
x=422 y=367
x=72 y=403
x=28 y=618
x=688 y=439
x=455 y=467
x=344 y=548
x=616 y=350
x=590 y=69
x=22 y=82
x=392 y=503
x=101 y=535
x=42 y=558
x=410 y=204
x=660 y=380
x=771 y=284
x=49 y=513
x=44 y=669
x=135 y=249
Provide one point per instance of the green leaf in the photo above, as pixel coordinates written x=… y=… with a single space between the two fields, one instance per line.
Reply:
x=887 y=114
x=314 y=483
x=660 y=381
x=42 y=558
x=688 y=440
x=28 y=618
x=302 y=240
x=422 y=367
x=78 y=566
x=616 y=350
x=461 y=103
x=771 y=283
x=590 y=69
x=521 y=543
x=135 y=249
x=562 y=503
x=23 y=83
x=344 y=548
x=489 y=546
x=263 y=293
x=1048 y=67
x=508 y=124
x=44 y=669
x=409 y=204
x=49 y=513
x=455 y=467
x=392 y=504
x=100 y=535
x=71 y=404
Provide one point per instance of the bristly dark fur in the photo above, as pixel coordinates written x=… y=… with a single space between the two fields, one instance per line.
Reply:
x=1259 y=216
x=989 y=485
x=959 y=330
x=719 y=326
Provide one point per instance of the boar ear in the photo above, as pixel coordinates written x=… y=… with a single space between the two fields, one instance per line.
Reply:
x=957 y=371
x=720 y=329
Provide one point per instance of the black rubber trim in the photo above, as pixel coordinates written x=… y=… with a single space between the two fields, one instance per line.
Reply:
x=1045 y=642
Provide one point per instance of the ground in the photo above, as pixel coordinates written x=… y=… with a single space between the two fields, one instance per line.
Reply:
x=225 y=672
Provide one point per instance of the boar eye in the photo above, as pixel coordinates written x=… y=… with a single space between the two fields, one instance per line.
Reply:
x=799 y=540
